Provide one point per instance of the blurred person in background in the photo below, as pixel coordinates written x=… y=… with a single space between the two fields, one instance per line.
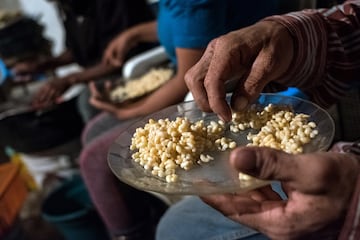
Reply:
x=89 y=26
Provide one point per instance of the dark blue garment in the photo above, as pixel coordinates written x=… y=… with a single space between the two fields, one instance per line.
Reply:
x=194 y=23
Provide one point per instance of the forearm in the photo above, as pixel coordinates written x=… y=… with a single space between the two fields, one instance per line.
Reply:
x=144 y=32
x=91 y=73
x=326 y=58
x=52 y=63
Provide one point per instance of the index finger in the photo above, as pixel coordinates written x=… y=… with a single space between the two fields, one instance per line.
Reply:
x=111 y=56
x=107 y=55
x=214 y=83
x=93 y=90
x=102 y=105
x=194 y=79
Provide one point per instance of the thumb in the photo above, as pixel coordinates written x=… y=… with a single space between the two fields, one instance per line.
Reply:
x=308 y=173
x=264 y=163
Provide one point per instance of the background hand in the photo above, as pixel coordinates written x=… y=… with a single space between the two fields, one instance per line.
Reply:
x=252 y=57
x=50 y=93
x=100 y=99
x=26 y=67
x=24 y=71
x=319 y=187
x=117 y=49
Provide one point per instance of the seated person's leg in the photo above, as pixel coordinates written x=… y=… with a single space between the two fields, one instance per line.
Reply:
x=86 y=110
x=98 y=125
x=192 y=219
x=124 y=210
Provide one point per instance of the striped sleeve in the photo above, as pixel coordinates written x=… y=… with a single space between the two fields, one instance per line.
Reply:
x=327 y=51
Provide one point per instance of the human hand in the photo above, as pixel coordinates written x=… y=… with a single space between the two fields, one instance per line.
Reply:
x=26 y=67
x=24 y=71
x=251 y=57
x=319 y=187
x=50 y=93
x=117 y=49
x=100 y=99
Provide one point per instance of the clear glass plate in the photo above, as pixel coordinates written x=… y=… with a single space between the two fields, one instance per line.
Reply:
x=215 y=176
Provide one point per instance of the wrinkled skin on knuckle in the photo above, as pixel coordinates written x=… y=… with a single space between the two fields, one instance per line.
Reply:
x=270 y=167
x=252 y=86
x=236 y=66
x=190 y=78
x=272 y=63
x=329 y=172
x=313 y=223
x=207 y=83
x=282 y=52
x=265 y=69
x=323 y=174
x=277 y=64
x=243 y=51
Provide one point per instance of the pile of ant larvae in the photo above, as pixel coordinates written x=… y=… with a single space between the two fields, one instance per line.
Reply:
x=163 y=146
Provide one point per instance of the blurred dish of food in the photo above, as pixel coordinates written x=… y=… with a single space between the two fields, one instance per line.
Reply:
x=137 y=87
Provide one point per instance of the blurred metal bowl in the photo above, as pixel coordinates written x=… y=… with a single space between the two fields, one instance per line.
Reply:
x=29 y=131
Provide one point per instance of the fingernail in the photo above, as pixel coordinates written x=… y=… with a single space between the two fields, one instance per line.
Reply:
x=225 y=117
x=240 y=103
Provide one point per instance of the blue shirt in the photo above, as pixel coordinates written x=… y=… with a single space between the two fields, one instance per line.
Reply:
x=194 y=23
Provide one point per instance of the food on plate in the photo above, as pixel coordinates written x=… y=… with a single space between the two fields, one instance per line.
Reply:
x=138 y=87
x=279 y=127
x=163 y=146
